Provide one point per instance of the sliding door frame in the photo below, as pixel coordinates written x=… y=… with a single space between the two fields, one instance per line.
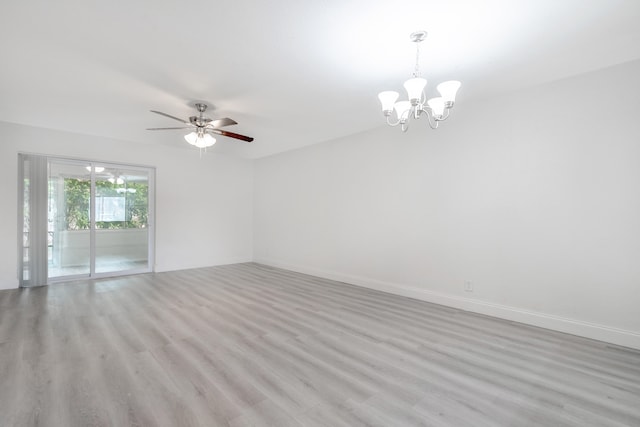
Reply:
x=151 y=206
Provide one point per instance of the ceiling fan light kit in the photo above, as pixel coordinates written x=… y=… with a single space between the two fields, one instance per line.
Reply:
x=200 y=139
x=203 y=127
x=436 y=109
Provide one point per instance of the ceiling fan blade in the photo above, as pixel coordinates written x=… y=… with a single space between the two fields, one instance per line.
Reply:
x=231 y=135
x=170 y=116
x=185 y=127
x=225 y=121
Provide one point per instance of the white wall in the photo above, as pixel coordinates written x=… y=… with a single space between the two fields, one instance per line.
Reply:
x=534 y=197
x=203 y=205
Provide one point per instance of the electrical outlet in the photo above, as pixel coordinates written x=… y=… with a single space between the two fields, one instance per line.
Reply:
x=468 y=286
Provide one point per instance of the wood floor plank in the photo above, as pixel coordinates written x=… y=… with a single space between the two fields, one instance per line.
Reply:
x=252 y=345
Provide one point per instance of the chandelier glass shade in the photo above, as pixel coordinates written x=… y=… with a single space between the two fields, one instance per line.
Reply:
x=436 y=109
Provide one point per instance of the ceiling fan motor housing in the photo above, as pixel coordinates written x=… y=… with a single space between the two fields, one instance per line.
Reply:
x=199 y=121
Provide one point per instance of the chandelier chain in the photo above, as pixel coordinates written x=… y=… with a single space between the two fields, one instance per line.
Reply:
x=416 y=70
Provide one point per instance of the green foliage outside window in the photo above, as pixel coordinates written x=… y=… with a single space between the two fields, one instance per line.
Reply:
x=77 y=193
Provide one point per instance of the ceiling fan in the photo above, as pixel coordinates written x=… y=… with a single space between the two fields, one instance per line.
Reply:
x=202 y=127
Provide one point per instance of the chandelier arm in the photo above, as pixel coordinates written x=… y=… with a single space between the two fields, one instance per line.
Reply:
x=433 y=123
x=410 y=113
x=392 y=124
x=431 y=116
x=405 y=126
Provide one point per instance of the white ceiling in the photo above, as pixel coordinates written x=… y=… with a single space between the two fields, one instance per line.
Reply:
x=292 y=73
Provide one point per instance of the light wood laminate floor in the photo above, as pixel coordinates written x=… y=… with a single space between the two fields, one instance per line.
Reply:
x=249 y=345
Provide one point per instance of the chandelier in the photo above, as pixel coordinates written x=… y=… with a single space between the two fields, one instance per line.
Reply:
x=436 y=109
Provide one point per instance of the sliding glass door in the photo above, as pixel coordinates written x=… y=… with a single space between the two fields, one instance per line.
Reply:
x=91 y=219
x=69 y=219
x=122 y=219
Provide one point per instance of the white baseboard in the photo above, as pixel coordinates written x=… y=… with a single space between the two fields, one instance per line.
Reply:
x=557 y=323
x=159 y=268
x=8 y=284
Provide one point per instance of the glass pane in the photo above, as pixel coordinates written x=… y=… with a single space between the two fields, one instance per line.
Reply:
x=122 y=209
x=69 y=219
